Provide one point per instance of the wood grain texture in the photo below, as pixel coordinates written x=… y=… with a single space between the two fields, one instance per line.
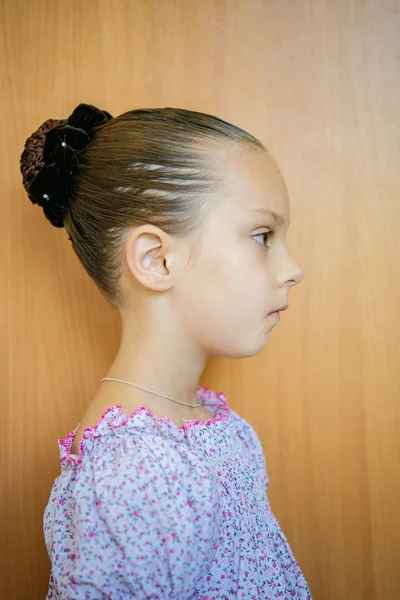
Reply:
x=318 y=82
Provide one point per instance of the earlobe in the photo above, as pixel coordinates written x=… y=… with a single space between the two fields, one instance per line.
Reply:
x=145 y=256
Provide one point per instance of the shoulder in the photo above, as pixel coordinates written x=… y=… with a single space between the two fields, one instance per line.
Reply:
x=146 y=486
x=157 y=468
x=143 y=517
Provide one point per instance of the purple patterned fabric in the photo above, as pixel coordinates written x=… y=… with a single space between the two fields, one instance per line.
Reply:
x=150 y=510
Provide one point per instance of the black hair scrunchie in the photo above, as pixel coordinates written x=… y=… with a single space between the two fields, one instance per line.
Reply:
x=51 y=188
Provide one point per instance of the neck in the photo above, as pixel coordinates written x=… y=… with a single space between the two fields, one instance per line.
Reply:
x=153 y=356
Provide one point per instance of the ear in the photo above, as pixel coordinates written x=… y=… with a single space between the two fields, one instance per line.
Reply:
x=147 y=257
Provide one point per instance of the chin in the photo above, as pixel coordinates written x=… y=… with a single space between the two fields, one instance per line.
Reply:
x=247 y=352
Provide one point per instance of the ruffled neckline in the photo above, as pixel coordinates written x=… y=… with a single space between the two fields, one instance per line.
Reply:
x=114 y=420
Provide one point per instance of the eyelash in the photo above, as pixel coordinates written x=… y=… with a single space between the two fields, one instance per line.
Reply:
x=269 y=234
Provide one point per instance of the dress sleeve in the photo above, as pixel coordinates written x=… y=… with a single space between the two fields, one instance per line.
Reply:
x=150 y=529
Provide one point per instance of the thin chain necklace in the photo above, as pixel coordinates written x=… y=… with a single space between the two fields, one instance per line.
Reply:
x=150 y=391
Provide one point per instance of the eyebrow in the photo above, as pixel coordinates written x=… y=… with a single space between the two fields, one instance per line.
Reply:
x=269 y=213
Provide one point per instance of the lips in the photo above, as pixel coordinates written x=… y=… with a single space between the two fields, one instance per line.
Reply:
x=275 y=315
x=280 y=309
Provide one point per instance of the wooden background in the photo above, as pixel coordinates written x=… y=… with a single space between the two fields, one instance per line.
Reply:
x=318 y=82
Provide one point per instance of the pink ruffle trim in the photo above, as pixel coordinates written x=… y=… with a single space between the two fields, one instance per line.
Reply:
x=205 y=394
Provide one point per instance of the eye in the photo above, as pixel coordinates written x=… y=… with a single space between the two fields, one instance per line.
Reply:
x=268 y=235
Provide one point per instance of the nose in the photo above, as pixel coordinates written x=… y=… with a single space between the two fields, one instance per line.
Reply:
x=291 y=274
x=297 y=278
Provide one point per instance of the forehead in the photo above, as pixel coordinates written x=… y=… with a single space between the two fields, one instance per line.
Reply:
x=252 y=182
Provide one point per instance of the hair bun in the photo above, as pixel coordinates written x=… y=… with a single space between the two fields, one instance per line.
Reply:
x=51 y=189
x=87 y=116
x=50 y=154
x=63 y=145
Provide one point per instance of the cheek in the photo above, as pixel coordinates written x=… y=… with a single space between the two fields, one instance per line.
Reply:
x=225 y=295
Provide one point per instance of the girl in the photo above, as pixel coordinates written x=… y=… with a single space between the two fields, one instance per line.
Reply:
x=180 y=219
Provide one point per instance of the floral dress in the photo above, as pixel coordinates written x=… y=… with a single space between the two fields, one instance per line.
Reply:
x=150 y=510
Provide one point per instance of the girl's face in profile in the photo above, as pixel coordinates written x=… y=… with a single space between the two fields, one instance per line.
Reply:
x=242 y=271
